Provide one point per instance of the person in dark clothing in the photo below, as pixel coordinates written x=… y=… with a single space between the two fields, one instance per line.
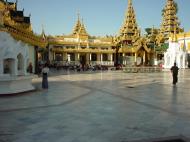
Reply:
x=174 y=70
x=30 y=68
x=45 y=71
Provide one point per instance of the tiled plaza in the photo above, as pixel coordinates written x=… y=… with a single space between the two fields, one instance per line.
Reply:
x=109 y=106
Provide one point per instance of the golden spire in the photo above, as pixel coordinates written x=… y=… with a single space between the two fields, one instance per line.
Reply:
x=129 y=2
x=77 y=25
x=129 y=29
x=43 y=31
x=79 y=28
x=82 y=30
x=170 y=20
x=16 y=4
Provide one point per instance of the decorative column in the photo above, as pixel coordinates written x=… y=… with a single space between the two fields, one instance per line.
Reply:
x=53 y=56
x=36 y=60
x=14 y=67
x=135 y=57
x=144 y=54
x=90 y=57
x=1 y=67
x=111 y=57
x=98 y=58
x=64 y=56
x=76 y=58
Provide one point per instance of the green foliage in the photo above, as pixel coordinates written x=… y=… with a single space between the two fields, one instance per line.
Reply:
x=148 y=30
x=162 y=48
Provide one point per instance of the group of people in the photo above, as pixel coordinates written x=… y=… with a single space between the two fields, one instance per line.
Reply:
x=174 y=70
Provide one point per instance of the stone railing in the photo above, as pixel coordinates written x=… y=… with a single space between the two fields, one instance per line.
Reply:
x=104 y=63
x=142 y=69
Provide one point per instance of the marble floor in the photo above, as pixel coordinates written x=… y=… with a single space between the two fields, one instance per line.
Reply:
x=109 y=106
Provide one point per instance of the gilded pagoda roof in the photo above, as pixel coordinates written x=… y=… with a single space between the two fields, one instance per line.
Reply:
x=170 y=19
x=79 y=28
x=19 y=26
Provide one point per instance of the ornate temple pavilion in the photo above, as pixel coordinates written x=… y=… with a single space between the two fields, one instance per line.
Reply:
x=80 y=47
x=128 y=47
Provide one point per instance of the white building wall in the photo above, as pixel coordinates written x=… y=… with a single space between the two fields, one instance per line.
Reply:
x=175 y=54
x=31 y=57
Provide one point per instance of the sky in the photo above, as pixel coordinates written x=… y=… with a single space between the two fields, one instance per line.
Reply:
x=101 y=17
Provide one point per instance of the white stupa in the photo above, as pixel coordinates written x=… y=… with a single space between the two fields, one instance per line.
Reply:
x=14 y=58
x=175 y=54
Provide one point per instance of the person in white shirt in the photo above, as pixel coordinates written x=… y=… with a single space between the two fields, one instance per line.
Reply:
x=45 y=71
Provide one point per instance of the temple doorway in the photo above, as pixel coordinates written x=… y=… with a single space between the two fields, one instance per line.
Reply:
x=83 y=59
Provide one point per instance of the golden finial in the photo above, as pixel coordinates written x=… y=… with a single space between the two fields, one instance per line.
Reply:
x=43 y=29
x=82 y=21
x=152 y=31
x=78 y=15
x=129 y=2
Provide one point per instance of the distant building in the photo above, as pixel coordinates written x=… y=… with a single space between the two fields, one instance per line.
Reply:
x=128 y=47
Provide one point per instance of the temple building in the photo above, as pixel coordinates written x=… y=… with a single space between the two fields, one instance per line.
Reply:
x=172 y=36
x=14 y=22
x=131 y=47
x=19 y=48
x=170 y=21
x=128 y=47
x=81 y=48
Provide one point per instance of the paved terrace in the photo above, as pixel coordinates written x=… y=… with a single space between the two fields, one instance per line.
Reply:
x=109 y=106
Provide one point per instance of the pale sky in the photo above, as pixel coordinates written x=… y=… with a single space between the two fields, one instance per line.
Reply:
x=101 y=17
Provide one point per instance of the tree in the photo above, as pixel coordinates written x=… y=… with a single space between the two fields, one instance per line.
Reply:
x=148 y=30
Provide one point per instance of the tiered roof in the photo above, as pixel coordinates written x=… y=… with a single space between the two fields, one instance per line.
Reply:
x=79 y=28
x=170 y=20
x=129 y=30
x=18 y=25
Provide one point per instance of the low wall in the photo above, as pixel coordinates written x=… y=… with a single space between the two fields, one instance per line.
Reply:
x=142 y=69
x=15 y=84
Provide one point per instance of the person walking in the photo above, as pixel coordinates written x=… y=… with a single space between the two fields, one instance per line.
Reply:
x=45 y=71
x=174 y=70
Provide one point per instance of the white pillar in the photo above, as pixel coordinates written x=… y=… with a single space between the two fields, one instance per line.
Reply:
x=14 y=67
x=135 y=57
x=69 y=57
x=1 y=67
x=25 y=67
x=76 y=56
x=98 y=57
x=101 y=57
x=90 y=57
x=144 y=57
x=111 y=57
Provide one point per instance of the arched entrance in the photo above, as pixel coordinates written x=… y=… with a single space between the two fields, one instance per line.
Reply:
x=8 y=66
x=83 y=59
x=20 y=64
